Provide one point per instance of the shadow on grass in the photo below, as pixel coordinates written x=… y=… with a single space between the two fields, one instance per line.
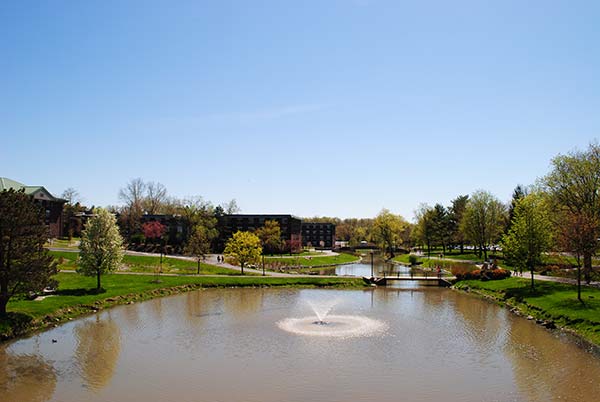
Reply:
x=80 y=292
x=14 y=324
x=540 y=290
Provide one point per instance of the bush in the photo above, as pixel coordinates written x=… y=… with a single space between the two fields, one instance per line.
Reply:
x=413 y=259
x=495 y=274
x=137 y=238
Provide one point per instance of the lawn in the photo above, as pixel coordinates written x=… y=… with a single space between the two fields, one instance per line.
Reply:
x=149 y=264
x=550 y=301
x=310 y=261
x=72 y=244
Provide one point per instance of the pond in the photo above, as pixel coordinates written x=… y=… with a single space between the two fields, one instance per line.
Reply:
x=382 y=344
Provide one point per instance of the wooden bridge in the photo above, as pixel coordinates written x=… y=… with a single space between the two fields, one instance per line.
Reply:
x=444 y=281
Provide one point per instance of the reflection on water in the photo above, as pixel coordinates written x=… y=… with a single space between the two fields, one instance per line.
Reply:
x=225 y=345
x=25 y=378
x=97 y=352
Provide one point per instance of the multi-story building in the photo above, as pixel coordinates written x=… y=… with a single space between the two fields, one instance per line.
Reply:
x=318 y=234
x=51 y=205
x=291 y=228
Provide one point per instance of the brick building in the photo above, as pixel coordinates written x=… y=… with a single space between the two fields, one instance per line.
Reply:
x=51 y=205
x=318 y=234
x=291 y=228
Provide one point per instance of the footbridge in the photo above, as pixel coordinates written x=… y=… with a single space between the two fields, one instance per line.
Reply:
x=437 y=280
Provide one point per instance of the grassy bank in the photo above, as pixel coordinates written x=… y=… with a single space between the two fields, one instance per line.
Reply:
x=149 y=264
x=76 y=295
x=551 y=303
x=312 y=261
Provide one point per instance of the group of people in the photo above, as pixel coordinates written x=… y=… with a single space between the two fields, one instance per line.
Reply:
x=220 y=259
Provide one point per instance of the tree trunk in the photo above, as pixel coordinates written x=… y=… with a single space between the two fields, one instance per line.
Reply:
x=242 y=266
x=3 y=303
x=198 y=267
x=3 y=297
x=579 y=283
x=532 y=283
x=587 y=267
x=98 y=279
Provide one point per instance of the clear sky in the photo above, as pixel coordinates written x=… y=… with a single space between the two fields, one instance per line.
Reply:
x=325 y=107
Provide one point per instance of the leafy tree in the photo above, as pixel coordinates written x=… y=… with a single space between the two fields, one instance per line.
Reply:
x=519 y=193
x=24 y=263
x=530 y=234
x=577 y=233
x=483 y=220
x=101 y=248
x=388 y=228
x=270 y=236
x=455 y=216
x=198 y=244
x=574 y=184
x=153 y=230
x=424 y=232
x=441 y=226
x=243 y=248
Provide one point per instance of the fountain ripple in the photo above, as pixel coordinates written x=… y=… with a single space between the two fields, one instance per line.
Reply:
x=339 y=326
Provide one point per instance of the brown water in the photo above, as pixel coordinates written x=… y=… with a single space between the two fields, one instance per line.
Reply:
x=226 y=345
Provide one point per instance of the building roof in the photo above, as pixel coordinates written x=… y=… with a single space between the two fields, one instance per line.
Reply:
x=6 y=183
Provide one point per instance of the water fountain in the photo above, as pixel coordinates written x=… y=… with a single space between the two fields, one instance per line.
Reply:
x=339 y=326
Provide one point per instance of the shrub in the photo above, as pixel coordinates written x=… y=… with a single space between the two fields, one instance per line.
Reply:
x=495 y=274
x=413 y=259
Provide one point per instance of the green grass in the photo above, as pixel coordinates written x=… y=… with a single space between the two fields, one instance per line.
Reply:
x=550 y=301
x=76 y=295
x=342 y=258
x=149 y=264
x=64 y=243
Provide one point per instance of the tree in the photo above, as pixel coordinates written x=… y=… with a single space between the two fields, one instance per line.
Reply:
x=24 y=263
x=155 y=197
x=101 y=248
x=153 y=230
x=72 y=222
x=133 y=196
x=519 y=193
x=441 y=226
x=243 y=248
x=424 y=232
x=483 y=220
x=577 y=233
x=198 y=244
x=270 y=236
x=574 y=184
x=456 y=213
x=231 y=207
x=530 y=233
x=388 y=228
x=71 y=196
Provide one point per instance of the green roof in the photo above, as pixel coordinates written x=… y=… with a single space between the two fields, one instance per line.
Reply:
x=6 y=184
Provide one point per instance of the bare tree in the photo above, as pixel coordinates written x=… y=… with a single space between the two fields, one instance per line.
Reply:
x=231 y=207
x=156 y=197
x=133 y=194
x=71 y=195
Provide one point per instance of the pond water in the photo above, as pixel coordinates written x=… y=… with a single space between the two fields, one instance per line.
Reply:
x=383 y=344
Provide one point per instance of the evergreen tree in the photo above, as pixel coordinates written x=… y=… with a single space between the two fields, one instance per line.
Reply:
x=25 y=266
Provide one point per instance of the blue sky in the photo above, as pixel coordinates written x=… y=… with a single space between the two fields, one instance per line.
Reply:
x=325 y=107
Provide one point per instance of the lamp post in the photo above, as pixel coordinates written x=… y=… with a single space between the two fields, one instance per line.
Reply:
x=371 y=263
x=263 y=262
